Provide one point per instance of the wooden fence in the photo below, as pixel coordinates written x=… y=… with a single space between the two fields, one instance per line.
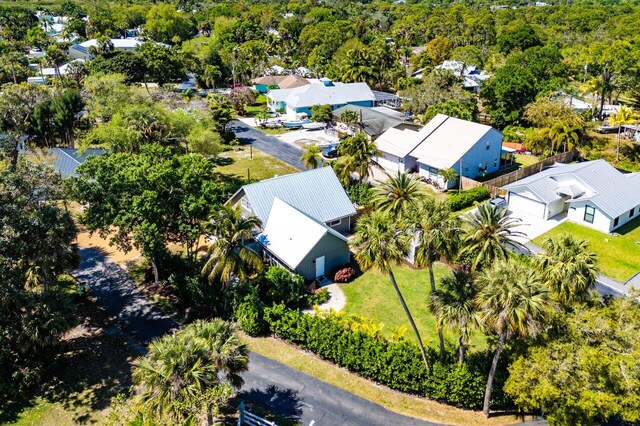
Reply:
x=495 y=184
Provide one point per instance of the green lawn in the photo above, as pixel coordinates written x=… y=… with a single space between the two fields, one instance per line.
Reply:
x=274 y=130
x=261 y=166
x=371 y=295
x=526 y=160
x=618 y=257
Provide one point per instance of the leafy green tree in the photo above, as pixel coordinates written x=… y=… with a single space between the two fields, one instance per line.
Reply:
x=521 y=37
x=398 y=194
x=188 y=377
x=378 y=243
x=349 y=117
x=434 y=228
x=454 y=305
x=147 y=200
x=439 y=49
x=321 y=113
x=311 y=157
x=488 y=235
x=57 y=118
x=13 y=66
x=125 y=62
x=512 y=301
x=228 y=257
x=241 y=97
x=506 y=93
x=567 y=268
x=162 y=64
x=107 y=95
x=221 y=110
x=465 y=110
x=167 y=25
x=587 y=374
x=37 y=37
x=57 y=57
x=437 y=88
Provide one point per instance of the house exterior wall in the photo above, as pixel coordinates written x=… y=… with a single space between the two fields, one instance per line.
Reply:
x=335 y=251
x=626 y=217
x=555 y=208
x=480 y=154
x=391 y=162
x=527 y=203
x=343 y=226
x=601 y=221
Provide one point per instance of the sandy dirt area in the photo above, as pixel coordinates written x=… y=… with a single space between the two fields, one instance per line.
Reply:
x=86 y=239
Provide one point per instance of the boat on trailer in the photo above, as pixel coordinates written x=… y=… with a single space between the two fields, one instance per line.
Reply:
x=314 y=126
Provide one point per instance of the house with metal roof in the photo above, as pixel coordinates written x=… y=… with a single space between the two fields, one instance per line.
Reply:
x=470 y=149
x=67 y=160
x=374 y=121
x=303 y=216
x=264 y=84
x=298 y=101
x=592 y=193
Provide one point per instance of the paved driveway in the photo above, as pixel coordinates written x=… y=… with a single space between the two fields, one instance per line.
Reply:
x=267 y=143
x=533 y=226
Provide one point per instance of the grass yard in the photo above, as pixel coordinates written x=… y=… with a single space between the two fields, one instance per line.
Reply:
x=262 y=166
x=390 y=399
x=526 y=160
x=618 y=257
x=276 y=131
x=371 y=295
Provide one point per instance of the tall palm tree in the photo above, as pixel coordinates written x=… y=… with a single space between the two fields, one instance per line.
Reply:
x=228 y=257
x=358 y=154
x=488 y=234
x=179 y=372
x=454 y=305
x=434 y=229
x=567 y=268
x=379 y=243
x=349 y=117
x=398 y=193
x=624 y=116
x=562 y=134
x=311 y=157
x=512 y=302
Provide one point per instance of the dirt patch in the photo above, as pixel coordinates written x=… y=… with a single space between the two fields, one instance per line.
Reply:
x=86 y=239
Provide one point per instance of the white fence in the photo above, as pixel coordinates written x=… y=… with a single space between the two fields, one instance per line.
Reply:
x=248 y=418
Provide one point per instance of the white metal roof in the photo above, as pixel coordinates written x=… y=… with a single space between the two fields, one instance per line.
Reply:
x=320 y=94
x=612 y=191
x=290 y=234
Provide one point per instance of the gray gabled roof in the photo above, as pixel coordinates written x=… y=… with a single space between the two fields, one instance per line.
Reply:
x=316 y=193
x=68 y=159
x=612 y=191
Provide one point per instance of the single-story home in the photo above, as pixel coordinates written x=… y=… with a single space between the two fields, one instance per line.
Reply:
x=67 y=160
x=472 y=77
x=471 y=149
x=311 y=211
x=262 y=84
x=374 y=121
x=302 y=244
x=81 y=50
x=298 y=101
x=592 y=193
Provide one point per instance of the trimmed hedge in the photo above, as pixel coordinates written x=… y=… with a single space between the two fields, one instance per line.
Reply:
x=466 y=198
x=396 y=364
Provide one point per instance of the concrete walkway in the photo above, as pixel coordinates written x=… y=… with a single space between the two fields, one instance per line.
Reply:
x=337 y=300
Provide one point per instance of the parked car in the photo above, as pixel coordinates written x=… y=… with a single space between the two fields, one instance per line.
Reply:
x=330 y=151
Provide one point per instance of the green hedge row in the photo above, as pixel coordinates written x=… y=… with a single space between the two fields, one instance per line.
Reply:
x=396 y=364
x=464 y=199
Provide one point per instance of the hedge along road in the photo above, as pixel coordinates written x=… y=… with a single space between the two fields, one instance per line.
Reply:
x=268 y=383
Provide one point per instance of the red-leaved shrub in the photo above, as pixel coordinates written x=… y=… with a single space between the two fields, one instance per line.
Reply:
x=344 y=275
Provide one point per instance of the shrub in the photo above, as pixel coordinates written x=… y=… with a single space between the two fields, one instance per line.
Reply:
x=466 y=198
x=396 y=364
x=249 y=315
x=360 y=193
x=281 y=286
x=344 y=275
x=318 y=298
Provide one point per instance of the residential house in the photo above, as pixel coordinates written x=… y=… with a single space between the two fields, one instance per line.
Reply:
x=81 y=50
x=592 y=193
x=67 y=160
x=263 y=84
x=298 y=101
x=303 y=216
x=472 y=77
x=471 y=149
x=374 y=121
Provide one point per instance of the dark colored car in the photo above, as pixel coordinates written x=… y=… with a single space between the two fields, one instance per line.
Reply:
x=330 y=151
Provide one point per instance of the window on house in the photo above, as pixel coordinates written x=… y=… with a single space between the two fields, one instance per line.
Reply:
x=616 y=221
x=589 y=213
x=245 y=203
x=495 y=162
x=488 y=145
x=631 y=213
x=335 y=222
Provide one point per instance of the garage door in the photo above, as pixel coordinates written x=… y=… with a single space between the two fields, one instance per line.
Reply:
x=518 y=203
x=390 y=163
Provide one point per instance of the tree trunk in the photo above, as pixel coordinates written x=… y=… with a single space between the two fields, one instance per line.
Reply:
x=432 y=280
x=492 y=373
x=461 y=350
x=618 y=144
x=413 y=324
x=154 y=269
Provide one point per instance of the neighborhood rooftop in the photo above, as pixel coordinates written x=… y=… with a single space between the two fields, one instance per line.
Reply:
x=614 y=192
x=317 y=193
x=321 y=94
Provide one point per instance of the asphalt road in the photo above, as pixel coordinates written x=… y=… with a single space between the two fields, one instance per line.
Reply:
x=267 y=143
x=309 y=401
x=120 y=297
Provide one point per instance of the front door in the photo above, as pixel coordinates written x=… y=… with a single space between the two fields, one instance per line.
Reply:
x=320 y=267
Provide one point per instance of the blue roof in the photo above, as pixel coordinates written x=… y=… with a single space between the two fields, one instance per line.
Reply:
x=316 y=193
x=68 y=159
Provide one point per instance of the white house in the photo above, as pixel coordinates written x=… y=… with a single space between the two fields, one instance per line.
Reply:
x=471 y=149
x=81 y=50
x=593 y=193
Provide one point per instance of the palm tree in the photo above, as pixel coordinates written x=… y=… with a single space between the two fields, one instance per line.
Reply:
x=562 y=134
x=211 y=75
x=453 y=304
x=512 y=302
x=398 y=193
x=349 y=117
x=434 y=228
x=379 y=243
x=489 y=232
x=228 y=257
x=448 y=175
x=358 y=153
x=179 y=373
x=624 y=116
x=311 y=157
x=567 y=268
